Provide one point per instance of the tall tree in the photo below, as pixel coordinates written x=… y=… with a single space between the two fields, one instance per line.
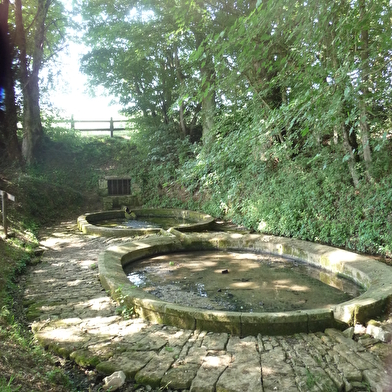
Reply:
x=315 y=74
x=140 y=71
x=29 y=78
x=36 y=43
x=364 y=88
x=8 y=112
x=315 y=68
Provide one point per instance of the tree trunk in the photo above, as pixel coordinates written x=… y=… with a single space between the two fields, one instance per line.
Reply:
x=363 y=98
x=180 y=76
x=351 y=158
x=208 y=104
x=8 y=114
x=32 y=126
x=341 y=128
x=208 y=113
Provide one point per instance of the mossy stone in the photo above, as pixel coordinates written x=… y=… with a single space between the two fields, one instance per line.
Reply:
x=107 y=367
x=33 y=312
x=63 y=351
x=85 y=358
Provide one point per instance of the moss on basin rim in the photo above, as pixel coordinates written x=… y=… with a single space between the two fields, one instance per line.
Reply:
x=86 y=222
x=376 y=277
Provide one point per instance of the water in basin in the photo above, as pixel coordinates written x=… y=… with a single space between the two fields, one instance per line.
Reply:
x=239 y=281
x=145 y=222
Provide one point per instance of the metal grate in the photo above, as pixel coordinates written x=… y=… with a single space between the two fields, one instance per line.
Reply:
x=119 y=186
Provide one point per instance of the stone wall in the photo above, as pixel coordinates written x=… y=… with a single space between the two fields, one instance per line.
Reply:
x=118 y=201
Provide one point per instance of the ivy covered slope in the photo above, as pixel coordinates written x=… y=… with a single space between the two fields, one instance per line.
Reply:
x=302 y=196
x=288 y=105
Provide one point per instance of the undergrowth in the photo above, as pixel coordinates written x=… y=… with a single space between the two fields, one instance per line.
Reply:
x=307 y=195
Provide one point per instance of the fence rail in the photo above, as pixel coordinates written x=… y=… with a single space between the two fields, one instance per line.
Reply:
x=110 y=129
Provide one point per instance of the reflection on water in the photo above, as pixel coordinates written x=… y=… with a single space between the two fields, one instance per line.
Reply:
x=239 y=281
x=145 y=222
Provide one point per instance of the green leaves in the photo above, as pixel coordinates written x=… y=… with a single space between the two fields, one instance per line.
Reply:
x=287 y=91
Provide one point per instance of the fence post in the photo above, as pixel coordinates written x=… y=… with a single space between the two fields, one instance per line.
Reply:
x=72 y=122
x=4 y=197
x=4 y=211
x=111 y=127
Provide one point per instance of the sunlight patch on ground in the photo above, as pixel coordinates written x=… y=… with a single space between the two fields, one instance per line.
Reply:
x=216 y=361
x=70 y=335
x=87 y=263
x=244 y=285
x=95 y=304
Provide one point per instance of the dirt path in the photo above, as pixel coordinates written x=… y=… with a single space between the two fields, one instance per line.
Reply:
x=74 y=317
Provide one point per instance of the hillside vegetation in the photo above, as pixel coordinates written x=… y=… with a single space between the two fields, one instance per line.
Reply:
x=309 y=198
x=288 y=105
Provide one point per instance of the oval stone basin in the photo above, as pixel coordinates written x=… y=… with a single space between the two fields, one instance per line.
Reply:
x=239 y=281
x=373 y=276
x=142 y=221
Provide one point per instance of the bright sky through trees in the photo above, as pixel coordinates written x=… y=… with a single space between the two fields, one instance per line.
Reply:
x=71 y=94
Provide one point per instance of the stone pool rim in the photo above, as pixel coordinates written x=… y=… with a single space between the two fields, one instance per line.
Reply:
x=374 y=276
x=86 y=222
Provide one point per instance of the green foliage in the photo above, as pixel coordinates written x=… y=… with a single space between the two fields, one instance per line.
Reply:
x=123 y=309
x=310 y=198
x=56 y=23
x=247 y=176
x=140 y=72
x=66 y=175
x=58 y=377
x=16 y=254
x=6 y=386
x=158 y=154
x=310 y=379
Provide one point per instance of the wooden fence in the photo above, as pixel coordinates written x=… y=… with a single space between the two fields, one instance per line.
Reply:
x=110 y=129
x=72 y=121
x=111 y=122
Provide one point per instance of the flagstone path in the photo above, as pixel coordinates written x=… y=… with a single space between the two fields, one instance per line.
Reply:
x=75 y=318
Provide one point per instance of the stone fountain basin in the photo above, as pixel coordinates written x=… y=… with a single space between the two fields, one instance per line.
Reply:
x=374 y=276
x=87 y=222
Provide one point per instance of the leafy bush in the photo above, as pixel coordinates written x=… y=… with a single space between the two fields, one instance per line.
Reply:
x=243 y=176
x=308 y=196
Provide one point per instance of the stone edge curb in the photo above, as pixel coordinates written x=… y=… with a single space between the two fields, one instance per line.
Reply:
x=376 y=277
x=86 y=222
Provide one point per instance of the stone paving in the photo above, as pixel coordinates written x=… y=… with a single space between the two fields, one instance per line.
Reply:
x=74 y=317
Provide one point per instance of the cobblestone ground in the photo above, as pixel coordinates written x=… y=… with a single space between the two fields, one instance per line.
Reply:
x=74 y=317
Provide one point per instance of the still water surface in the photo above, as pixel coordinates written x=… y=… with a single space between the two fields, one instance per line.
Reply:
x=145 y=222
x=239 y=281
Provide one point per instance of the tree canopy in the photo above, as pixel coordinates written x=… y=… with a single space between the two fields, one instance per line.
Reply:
x=313 y=74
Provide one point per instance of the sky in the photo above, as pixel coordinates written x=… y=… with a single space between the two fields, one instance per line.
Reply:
x=70 y=93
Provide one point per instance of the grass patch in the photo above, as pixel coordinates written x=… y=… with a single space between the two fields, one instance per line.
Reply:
x=6 y=385
x=24 y=366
